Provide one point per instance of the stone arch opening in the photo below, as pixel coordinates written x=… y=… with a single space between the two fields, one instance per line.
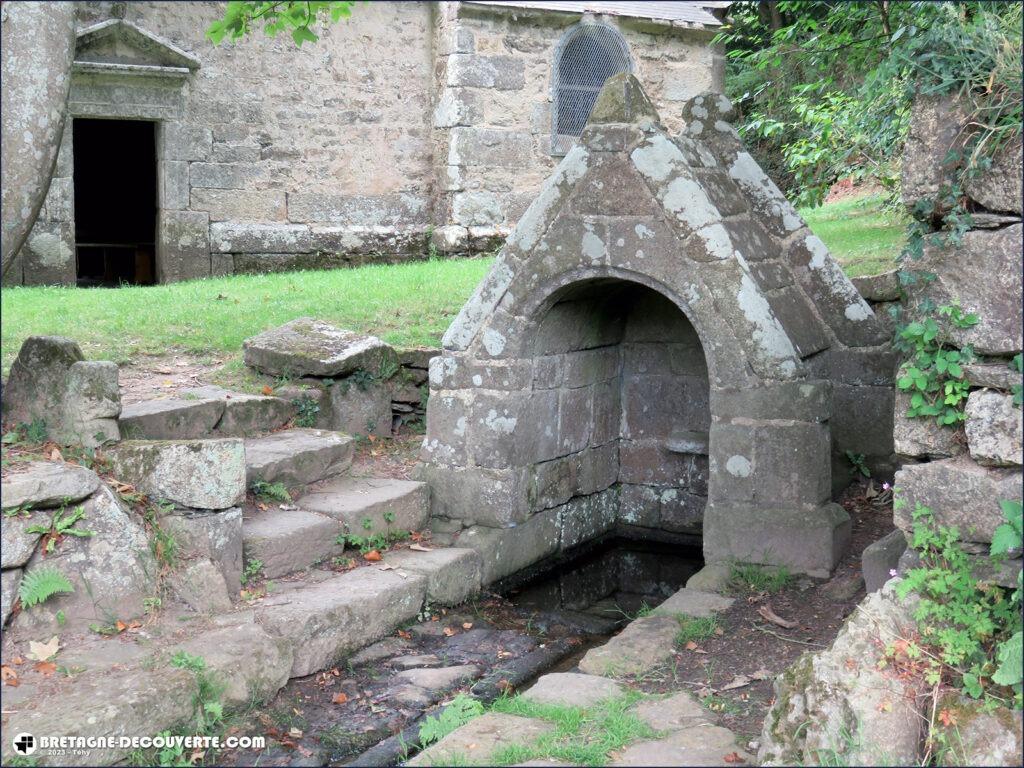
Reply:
x=633 y=404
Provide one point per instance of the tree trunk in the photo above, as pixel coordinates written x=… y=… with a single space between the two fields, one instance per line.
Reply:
x=38 y=46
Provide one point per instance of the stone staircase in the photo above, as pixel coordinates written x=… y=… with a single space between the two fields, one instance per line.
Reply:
x=312 y=464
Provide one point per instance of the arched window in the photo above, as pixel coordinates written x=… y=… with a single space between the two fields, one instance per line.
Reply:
x=587 y=55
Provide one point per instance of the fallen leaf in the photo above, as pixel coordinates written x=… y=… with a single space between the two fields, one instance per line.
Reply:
x=261 y=506
x=467 y=625
x=295 y=733
x=43 y=651
x=121 y=626
x=373 y=556
x=267 y=389
x=8 y=676
x=55 y=455
x=733 y=757
x=719 y=631
x=404 y=635
x=767 y=612
x=45 y=668
x=947 y=718
x=761 y=674
x=17 y=660
x=884 y=706
x=340 y=698
x=448 y=631
x=385 y=567
x=739 y=681
x=420 y=548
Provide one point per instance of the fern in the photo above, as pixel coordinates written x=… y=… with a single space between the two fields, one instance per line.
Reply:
x=40 y=584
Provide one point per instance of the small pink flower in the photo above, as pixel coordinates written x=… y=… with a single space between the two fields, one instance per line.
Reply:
x=892 y=571
x=885 y=486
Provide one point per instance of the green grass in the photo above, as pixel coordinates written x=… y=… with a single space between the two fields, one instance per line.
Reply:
x=695 y=628
x=863 y=235
x=405 y=304
x=754 y=578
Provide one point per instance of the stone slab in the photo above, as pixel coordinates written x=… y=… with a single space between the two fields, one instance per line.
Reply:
x=309 y=347
x=202 y=474
x=214 y=535
x=297 y=456
x=880 y=558
x=46 y=484
x=437 y=679
x=642 y=646
x=245 y=415
x=959 y=493
x=170 y=419
x=325 y=621
x=571 y=689
x=286 y=541
x=701 y=744
x=693 y=602
x=481 y=738
x=452 y=574
x=9 y=580
x=386 y=503
x=674 y=713
x=995 y=429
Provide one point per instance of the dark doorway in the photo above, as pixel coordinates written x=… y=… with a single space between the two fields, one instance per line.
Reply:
x=115 y=202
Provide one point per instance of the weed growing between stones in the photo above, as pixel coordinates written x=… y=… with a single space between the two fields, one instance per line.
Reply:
x=858 y=466
x=40 y=584
x=693 y=628
x=970 y=628
x=61 y=524
x=460 y=711
x=376 y=542
x=754 y=578
x=307 y=410
x=270 y=491
x=253 y=571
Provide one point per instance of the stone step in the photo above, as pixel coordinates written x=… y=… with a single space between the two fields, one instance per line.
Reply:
x=204 y=412
x=324 y=621
x=369 y=505
x=297 y=457
x=286 y=541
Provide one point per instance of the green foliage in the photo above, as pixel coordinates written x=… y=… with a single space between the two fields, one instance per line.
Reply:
x=40 y=584
x=857 y=464
x=376 y=541
x=271 y=491
x=294 y=16
x=694 y=628
x=208 y=709
x=253 y=571
x=933 y=374
x=460 y=711
x=966 y=620
x=1007 y=536
x=754 y=578
x=307 y=410
x=823 y=89
x=61 y=524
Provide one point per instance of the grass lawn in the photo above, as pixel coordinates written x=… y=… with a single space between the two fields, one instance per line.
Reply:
x=407 y=304
x=864 y=236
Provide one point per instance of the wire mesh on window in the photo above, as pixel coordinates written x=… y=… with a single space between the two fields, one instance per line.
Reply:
x=588 y=55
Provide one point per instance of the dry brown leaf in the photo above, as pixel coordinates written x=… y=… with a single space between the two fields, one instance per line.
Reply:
x=267 y=389
x=45 y=668
x=766 y=612
x=467 y=625
x=120 y=625
x=8 y=676
x=55 y=455
x=448 y=631
x=372 y=556
x=761 y=674
x=340 y=698
x=420 y=548
x=295 y=733
x=404 y=635
x=739 y=681
x=17 y=660
x=733 y=757
x=691 y=646
x=947 y=718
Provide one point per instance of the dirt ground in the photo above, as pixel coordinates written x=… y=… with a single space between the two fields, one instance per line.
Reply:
x=753 y=651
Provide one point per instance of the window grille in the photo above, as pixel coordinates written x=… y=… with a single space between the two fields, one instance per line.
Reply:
x=588 y=54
